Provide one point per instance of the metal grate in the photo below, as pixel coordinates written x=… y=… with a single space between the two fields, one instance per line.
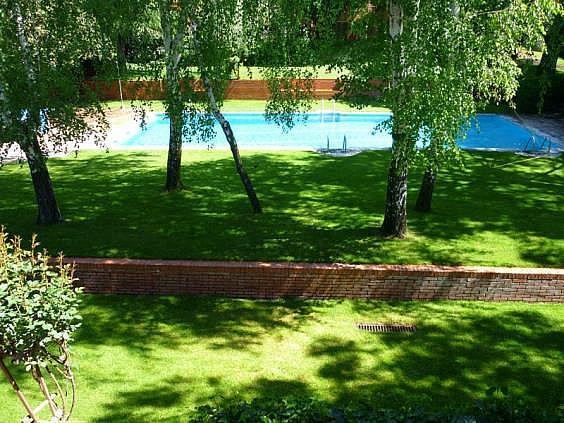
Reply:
x=386 y=327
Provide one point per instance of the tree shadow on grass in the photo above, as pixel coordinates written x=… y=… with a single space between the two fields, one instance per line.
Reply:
x=316 y=208
x=145 y=405
x=118 y=201
x=498 y=194
x=459 y=350
x=143 y=323
x=449 y=359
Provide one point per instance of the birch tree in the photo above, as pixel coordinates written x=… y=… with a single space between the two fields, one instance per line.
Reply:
x=206 y=35
x=41 y=45
x=216 y=31
x=440 y=60
x=202 y=34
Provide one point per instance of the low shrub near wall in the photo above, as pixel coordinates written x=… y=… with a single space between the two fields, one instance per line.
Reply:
x=494 y=408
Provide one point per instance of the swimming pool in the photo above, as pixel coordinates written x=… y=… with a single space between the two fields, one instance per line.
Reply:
x=320 y=130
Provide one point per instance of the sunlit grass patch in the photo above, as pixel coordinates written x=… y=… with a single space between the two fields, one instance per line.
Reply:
x=494 y=211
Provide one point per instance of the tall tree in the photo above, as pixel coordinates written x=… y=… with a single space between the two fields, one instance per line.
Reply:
x=216 y=32
x=41 y=45
x=206 y=36
x=441 y=60
x=174 y=21
x=554 y=40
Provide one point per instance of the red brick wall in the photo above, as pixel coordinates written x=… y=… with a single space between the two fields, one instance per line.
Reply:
x=273 y=280
x=236 y=90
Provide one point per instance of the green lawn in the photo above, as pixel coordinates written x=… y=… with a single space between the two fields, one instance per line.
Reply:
x=501 y=209
x=259 y=106
x=135 y=72
x=148 y=359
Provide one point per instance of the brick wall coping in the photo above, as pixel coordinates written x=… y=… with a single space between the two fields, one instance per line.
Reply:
x=385 y=269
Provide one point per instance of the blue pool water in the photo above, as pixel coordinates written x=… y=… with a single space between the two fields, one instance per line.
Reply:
x=253 y=132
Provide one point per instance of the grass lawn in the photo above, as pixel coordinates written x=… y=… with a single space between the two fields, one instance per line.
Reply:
x=148 y=359
x=234 y=106
x=501 y=209
x=136 y=72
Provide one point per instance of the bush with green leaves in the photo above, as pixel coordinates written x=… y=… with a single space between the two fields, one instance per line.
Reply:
x=497 y=406
x=38 y=315
x=290 y=410
x=38 y=304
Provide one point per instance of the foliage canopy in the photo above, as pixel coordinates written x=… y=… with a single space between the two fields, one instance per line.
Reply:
x=42 y=44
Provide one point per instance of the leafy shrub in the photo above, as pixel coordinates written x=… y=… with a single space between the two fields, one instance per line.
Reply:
x=38 y=305
x=497 y=406
x=291 y=410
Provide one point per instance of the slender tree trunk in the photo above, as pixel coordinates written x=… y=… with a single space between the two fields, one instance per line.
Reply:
x=38 y=376
x=226 y=127
x=395 y=215
x=173 y=42
x=251 y=194
x=425 y=197
x=48 y=210
x=228 y=132
x=173 y=165
x=121 y=46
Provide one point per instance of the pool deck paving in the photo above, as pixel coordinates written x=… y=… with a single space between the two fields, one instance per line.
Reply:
x=551 y=125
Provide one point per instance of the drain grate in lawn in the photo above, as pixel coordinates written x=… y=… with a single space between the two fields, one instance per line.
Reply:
x=386 y=327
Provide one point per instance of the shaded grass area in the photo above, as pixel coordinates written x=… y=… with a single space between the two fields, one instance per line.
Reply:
x=501 y=209
x=141 y=359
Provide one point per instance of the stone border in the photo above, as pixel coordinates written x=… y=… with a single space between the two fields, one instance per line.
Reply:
x=261 y=280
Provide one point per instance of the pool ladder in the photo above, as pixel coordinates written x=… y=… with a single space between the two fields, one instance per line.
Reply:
x=531 y=145
x=344 y=149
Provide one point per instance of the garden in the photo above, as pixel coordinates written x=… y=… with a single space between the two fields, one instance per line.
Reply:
x=142 y=359
x=498 y=210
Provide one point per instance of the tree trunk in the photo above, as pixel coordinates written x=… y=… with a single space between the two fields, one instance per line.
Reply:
x=226 y=127
x=395 y=215
x=48 y=211
x=121 y=47
x=173 y=43
x=553 y=40
x=18 y=392
x=251 y=194
x=173 y=166
x=425 y=197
